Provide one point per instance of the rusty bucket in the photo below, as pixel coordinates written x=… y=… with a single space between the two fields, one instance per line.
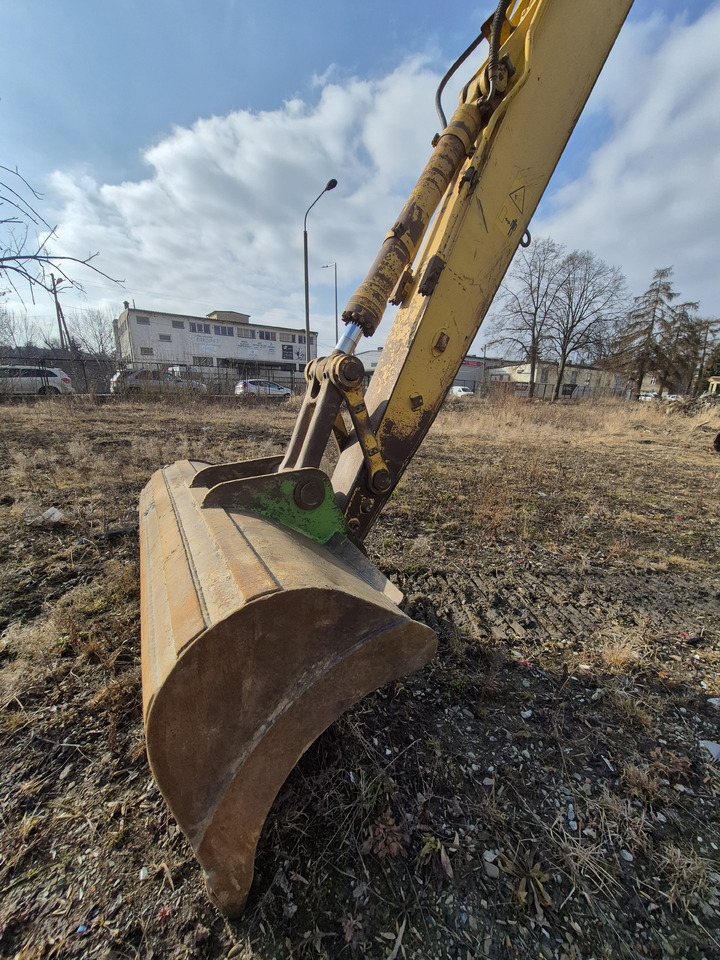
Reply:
x=255 y=637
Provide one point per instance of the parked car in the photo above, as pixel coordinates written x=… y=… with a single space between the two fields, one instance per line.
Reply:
x=261 y=388
x=648 y=395
x=126 y=382
x=461 y=392
x=25 y=380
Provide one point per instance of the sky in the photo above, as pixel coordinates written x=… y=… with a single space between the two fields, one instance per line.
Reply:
x=183 y=143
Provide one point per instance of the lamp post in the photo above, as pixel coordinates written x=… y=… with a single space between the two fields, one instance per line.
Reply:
x=336 y=315
x=330 y=185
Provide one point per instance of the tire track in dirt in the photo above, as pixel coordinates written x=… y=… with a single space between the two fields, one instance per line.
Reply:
x=524 y=604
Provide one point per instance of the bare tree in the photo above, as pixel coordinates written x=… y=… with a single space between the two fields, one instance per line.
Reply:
x=590 y=298
x=527 y=301
x=92 y=330
x=708 y=366
x=26 y=259
x=17 y=331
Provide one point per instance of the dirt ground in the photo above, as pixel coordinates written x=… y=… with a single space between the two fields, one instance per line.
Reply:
x=545 y=787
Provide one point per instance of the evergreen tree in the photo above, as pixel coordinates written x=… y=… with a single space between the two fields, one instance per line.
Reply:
x=658 y=337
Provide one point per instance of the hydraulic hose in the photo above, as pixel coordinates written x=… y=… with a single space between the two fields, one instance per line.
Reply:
x=493 y=58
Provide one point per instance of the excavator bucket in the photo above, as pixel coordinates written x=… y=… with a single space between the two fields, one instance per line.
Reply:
x=261 y=624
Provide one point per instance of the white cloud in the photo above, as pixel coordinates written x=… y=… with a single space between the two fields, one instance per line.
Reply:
x=649 y=195
x=218 y=223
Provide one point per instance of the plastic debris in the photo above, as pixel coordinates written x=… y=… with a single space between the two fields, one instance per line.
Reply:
x=712 y=748
x=53 y=515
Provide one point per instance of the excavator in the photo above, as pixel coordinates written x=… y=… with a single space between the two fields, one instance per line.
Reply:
x=262 y=618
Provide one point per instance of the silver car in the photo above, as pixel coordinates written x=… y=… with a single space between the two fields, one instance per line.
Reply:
x=261 y=388
x=17 y=381
x=126 y=382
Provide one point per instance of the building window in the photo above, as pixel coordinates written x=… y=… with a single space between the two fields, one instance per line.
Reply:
x=199 y=328
x=178 y=324
x=146 y=351
x=165 y=338
x=267 y=334
x=301 y=338
x=143 y=321
x=202 y=361
x=245 y=332
x=287 y=337
x=224 y=331
x=544 y=373
x=573 y=377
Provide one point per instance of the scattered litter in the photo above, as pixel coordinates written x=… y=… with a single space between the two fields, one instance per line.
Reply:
x=53 y=515
x=712 y=748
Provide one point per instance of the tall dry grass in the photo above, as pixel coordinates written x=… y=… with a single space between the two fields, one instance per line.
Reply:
x=512 y=418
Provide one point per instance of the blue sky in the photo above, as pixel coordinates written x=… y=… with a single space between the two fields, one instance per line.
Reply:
x=183 y=141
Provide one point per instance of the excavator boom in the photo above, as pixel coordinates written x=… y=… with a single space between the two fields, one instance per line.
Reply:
x=262 y=619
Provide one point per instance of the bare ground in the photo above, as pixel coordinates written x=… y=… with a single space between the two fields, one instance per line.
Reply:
x=544 y=788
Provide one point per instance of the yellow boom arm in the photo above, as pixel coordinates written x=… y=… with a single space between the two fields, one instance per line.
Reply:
x=556 y=49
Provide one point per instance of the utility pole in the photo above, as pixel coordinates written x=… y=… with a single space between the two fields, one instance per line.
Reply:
x=66 y=341
x=62 y=326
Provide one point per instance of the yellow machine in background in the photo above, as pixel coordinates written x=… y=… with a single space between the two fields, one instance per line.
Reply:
x=262 y=619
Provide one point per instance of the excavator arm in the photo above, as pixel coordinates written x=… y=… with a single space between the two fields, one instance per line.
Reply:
x=554 y=52
x=262 y=619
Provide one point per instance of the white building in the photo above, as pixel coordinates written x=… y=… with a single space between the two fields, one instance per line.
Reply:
x=222 y=341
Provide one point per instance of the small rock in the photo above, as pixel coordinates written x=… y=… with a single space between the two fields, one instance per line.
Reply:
x=526 y=714
x=492 y=871
x=714 y=702
x=143 y=875
x=627 y=856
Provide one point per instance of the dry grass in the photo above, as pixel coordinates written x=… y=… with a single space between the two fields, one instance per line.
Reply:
x=539 y=787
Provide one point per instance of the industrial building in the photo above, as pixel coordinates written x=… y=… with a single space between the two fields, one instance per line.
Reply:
x=223 y=342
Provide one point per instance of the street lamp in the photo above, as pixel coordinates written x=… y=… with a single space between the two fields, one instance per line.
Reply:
x=336 y=316
x=330 y=185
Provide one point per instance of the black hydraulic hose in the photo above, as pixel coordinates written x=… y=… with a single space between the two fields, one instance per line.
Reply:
x=494 y=55
x=497 y=22
x=458 y=63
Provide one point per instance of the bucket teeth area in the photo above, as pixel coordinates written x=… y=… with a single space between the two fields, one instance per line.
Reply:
x=254 y=639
